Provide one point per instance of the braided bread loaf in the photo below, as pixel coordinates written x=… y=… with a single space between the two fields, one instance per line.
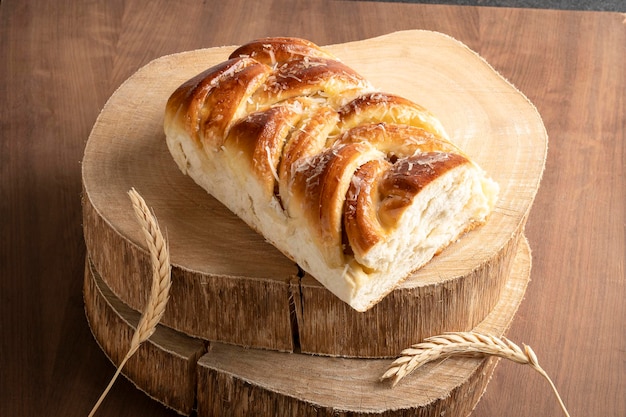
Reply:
x=359 y=187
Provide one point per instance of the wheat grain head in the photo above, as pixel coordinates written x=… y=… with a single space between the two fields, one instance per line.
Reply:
x=160 y=288
x=464 y=344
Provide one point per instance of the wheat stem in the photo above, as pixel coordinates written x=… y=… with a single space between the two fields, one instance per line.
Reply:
x=464 y=344
x=161 y=283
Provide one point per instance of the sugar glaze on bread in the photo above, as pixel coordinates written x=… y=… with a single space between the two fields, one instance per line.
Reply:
x=357 y=186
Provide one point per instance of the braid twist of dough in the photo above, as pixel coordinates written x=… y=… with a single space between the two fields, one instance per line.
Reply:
x=359 y=187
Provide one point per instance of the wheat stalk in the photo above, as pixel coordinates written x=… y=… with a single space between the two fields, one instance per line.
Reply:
x=161 y=282
x=464 y=344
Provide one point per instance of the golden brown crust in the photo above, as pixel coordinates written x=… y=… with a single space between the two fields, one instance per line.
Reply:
x=306 y=77
x=398 y=140
x=271 y=51
x=208 y=103
x=377 y=107
x=259 y=138
x=362 y=228
x=308 y=139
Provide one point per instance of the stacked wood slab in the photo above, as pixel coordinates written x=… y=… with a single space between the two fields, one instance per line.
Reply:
x=245 y=333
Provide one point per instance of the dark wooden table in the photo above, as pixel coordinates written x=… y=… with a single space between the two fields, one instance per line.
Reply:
x=60 y=61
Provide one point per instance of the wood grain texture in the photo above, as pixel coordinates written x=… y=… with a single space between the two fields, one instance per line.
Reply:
x=62 y=60
x=577 y=230
x=246 y=382
x=218 y=297
x=253 y=382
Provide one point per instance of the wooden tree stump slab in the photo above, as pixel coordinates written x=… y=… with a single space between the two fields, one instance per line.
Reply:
x=230 y=285
x=233 y=380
